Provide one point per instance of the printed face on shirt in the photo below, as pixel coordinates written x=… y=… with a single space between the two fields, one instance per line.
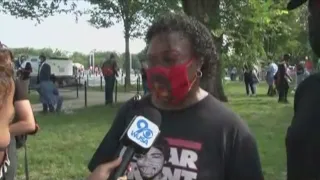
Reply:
x=150 y=164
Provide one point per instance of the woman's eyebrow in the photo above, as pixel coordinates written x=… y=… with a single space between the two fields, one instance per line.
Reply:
x=169 y=51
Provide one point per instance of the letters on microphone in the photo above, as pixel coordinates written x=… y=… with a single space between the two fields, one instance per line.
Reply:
x=143 y=132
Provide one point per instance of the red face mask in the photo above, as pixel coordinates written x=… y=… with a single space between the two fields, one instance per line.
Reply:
x=170 y=83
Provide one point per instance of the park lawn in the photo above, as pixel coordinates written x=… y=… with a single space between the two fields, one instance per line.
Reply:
x=34 y=97
x=66 y=143
x=119 y=88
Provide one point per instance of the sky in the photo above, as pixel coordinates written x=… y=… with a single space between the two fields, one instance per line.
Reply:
x=63 y=33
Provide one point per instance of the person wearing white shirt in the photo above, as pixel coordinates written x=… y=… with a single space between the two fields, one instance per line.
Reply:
x=271 y=72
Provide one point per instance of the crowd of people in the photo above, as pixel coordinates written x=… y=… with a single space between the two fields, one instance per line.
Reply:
x=279 y=76
x=204 y=138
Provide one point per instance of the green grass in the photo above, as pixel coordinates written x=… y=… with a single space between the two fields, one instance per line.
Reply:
x=120 y=88
x=65 y=143
x=34 y=97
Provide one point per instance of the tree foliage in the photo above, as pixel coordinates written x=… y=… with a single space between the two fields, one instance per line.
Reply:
x=245 y=31
x=38 y=9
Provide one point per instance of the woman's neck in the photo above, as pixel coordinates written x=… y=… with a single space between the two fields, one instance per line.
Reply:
x=197 y=96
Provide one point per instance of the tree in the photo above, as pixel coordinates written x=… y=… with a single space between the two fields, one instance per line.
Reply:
x=37 y=10
x=134 y=14
x=207 y=12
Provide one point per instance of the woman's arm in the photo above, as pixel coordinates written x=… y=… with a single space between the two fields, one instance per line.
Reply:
x=255 y=73
x=26 y=123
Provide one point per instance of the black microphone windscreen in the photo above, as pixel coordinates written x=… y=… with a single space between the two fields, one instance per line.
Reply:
x=151 y=114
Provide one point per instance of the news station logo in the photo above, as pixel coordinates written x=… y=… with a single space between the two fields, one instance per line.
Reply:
x=143 y=132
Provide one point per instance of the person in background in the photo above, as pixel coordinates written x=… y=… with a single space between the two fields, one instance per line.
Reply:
x=50 y=95
x=308 y=64
x=215 y=143
x=302 y=138
x=233 y=74
x=144 y=66
x=282 y=83
x=286 y=59
x=271 y=72
x=250 y=80
x=25 y=74
x=43 y=78
x=23 y=121
x=301 y=73
x=57 y=100
x=22 y=59
x=109 y=71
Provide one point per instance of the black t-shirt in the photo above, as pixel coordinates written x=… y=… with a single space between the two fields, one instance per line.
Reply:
x=19 y=94
x=248 y=77
x=302 y=139
x=204 y=141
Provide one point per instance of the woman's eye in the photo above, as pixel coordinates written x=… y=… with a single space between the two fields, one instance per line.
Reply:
x=139 y=156
x=156 y=155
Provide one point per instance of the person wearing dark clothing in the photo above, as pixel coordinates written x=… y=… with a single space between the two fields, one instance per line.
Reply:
x=109 y=71
x=25 y=74
x=250 y=80
x=144 y=79
x=282 y=83
x=43 y=78
x=302 y=139
x=202 y=135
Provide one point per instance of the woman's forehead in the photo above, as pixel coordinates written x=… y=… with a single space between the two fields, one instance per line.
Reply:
x=169 y=43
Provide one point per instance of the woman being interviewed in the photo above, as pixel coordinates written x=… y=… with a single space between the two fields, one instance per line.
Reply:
x=206 y=139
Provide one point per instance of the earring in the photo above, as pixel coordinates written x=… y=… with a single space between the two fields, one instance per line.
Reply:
x=199 y=74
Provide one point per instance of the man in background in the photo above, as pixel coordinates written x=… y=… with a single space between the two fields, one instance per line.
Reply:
x=43 y=79
x=144 y=67
x=109 y=71
x=303 y=135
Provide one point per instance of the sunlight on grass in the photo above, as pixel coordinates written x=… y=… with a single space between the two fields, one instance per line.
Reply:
x=65 y=143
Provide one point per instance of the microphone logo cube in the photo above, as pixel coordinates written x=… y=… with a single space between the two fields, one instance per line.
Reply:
x=143 y=132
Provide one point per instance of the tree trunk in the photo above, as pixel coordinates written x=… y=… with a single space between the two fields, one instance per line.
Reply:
x=207 y=12
x=127 y=59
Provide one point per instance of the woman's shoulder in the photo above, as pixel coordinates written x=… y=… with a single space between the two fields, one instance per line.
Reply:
x=221 y=115
x=135 y=102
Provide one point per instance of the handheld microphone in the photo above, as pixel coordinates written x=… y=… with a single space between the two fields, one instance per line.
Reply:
x=139 y=136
